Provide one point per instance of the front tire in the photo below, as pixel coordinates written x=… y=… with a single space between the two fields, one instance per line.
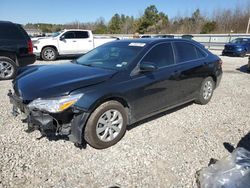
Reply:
x=243 y=54
x=49 y=54
x=8 y=68
x=206 y=91
x=106 y=125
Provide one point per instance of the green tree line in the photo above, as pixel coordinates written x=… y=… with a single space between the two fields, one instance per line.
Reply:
x=153 y=21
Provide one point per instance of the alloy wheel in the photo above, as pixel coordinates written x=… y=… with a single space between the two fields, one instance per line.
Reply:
x=109 y=125
x=49 y=54
x=207 y=90
x=6 y=69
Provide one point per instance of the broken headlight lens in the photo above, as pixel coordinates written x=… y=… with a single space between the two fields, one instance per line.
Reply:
x=54 y=105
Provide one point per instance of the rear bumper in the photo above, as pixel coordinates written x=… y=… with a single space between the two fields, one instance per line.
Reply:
x=52 y=124
x=26 y=60
x=219 y=76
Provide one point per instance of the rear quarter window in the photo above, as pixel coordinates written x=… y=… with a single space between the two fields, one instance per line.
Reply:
x=187 y=52
x=200 y=53
x=11 y=32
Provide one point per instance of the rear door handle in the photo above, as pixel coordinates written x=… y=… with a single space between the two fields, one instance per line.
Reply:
x=74 y=41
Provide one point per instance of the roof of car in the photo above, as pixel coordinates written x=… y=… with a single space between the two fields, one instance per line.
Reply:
x=154 y=40
x=5 y=22
x=76 y=30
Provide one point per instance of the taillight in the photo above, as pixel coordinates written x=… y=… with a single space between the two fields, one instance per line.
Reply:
x=30 y=47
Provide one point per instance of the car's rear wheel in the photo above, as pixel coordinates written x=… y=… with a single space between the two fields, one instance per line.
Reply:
x=49 y=54
x=206 y=91
x=8 y=68
x=106 y=125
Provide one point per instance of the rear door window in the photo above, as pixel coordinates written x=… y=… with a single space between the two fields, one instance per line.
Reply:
x=24 y=33
x=82 y=34
x=10 y=31
x=185 y=52
x=162 y=55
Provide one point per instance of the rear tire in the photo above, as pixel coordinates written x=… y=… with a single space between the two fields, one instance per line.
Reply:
x=106 y=125
x=8 y=68
x=206 y=91
x=49 y=54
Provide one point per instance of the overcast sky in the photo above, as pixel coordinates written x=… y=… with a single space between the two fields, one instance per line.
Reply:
x=65 y=11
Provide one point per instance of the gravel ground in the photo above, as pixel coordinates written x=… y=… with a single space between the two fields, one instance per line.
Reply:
x=164 y=151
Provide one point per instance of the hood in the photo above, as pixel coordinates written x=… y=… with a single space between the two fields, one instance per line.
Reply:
x=38 y=38
x=56 y=80
x=34 y=39
x=45 y=40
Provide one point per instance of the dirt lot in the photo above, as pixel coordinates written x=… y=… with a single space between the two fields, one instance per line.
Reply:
x=164 y=151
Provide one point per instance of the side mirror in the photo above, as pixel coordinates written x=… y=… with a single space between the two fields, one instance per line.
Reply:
x=62 y=37
x=148 y=66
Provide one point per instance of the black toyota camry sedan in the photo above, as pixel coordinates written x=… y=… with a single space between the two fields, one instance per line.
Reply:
x=94 y=98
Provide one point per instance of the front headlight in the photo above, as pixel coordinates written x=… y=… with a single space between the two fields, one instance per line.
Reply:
x=54 y=105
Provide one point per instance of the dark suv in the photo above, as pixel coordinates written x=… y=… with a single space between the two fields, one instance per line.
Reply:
x=117 y=84
x=16 y=49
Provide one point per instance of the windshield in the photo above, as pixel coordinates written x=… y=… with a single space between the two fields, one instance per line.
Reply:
x=239 y=41
x=56 y=34
x=115 y=55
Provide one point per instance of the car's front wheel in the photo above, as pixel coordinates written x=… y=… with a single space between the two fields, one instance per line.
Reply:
x=49 y=54
x=8 y=68
x=206 y=91
x=243 y=54
x=106 y=125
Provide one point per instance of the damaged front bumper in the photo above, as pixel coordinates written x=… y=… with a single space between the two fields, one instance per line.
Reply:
x=69 y=123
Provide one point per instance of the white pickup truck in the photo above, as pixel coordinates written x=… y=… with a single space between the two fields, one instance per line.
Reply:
x=67 y=43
